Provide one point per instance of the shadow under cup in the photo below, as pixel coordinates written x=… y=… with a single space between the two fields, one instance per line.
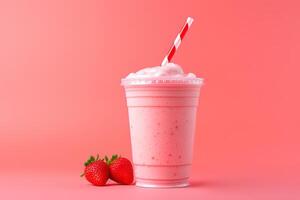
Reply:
x=162 y=116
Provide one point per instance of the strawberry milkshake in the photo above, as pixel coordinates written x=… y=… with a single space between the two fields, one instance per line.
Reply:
x=162 y=103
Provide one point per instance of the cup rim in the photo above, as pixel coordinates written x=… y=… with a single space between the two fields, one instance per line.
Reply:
x=162 y=81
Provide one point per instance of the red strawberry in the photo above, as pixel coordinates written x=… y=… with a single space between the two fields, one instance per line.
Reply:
x=96 y=171
x=120 y=169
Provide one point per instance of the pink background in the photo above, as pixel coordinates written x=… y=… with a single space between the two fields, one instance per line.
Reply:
x=60 y=96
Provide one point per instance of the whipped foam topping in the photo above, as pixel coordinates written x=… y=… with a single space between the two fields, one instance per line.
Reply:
x=170 y=70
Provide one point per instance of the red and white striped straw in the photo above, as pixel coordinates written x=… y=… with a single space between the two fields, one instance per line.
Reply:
x=177 y=41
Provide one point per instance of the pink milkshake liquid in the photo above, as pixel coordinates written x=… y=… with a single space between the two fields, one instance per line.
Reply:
x=162 y=115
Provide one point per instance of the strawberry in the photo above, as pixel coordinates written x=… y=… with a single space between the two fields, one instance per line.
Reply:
x=120 y=169
x=96 y=171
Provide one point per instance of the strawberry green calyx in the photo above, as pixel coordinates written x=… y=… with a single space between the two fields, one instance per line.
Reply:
x=91 y=159
x=113 y=158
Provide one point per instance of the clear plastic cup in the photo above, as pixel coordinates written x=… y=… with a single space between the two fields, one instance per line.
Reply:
x=162 y=117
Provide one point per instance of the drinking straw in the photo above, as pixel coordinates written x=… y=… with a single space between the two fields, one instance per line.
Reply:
x=177 y=41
